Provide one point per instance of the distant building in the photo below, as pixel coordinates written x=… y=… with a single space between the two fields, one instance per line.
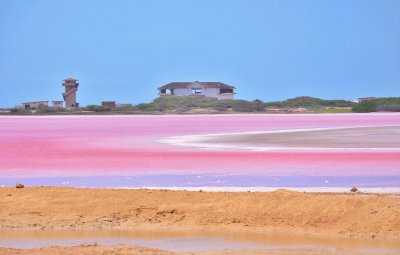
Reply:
x=365 y=98
x=71 y=87
x=216 y=90
x=34 y=105
x=110 y=104
x=57 y=104
x=123 y=105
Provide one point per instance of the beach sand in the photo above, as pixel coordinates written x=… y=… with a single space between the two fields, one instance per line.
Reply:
x=56 y=208
x=87 y=250
x=133 y=250
x=321 y=214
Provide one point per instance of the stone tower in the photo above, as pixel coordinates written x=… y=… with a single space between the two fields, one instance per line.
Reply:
x=71 y=86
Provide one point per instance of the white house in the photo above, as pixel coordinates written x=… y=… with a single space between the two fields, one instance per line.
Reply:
x=57 y=104
x=216 y=90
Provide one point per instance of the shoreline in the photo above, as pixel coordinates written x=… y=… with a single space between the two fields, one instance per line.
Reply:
x=189 y=115
x=316 y=190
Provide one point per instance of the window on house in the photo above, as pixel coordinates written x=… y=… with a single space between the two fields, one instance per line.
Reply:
x=222 y=91
x=196 y=91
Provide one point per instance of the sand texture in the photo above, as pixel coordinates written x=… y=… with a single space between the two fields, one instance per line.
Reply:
x=52 y=208
x=132 y=250
x=87 y=250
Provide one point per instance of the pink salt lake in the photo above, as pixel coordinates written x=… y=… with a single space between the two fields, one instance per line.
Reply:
x=126 y=151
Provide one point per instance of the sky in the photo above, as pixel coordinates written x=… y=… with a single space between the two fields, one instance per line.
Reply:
x=270 y=50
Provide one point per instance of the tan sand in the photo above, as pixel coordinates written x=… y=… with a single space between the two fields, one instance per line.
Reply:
x=132 y=250
x=87 y=250
x=53 y=208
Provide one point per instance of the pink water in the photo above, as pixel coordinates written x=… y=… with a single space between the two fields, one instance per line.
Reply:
x=129 y=145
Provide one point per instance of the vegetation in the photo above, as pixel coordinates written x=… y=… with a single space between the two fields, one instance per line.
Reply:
x=50 y=110
x=310 y=102
x=171 y=104
x=334 y=110
x=19 y=111
x=95 y=108
x=185 y=104
x=378 y=104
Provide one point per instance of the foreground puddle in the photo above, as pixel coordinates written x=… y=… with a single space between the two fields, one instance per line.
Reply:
x=193 y=241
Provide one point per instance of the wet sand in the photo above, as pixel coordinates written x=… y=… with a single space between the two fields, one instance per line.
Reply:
x=363 y=137
x=133 y=250
x=354 y=138
x=87 y=250
x=349 y=218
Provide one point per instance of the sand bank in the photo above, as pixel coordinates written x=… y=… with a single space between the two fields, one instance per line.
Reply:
x=51 y=208
x=373 y=138
x=132 y=250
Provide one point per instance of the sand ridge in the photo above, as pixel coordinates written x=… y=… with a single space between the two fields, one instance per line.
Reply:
x=57 y=208
x=361 y=138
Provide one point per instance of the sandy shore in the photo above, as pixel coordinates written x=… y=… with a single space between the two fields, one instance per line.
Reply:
x=132 y=250
x=379 y=138
x=87 y=250
x=56 y=208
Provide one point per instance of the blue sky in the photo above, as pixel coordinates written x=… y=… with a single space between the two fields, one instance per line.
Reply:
x=270 y=50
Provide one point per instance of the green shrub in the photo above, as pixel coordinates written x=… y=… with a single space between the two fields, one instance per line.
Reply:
x=19 y=111
x=242 y=106
x=365 y=106
x=96 y=108
x=373 y=105
x=310 y=102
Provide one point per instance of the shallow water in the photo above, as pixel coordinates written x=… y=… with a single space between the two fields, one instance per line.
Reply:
x=209 y=180
x=54 y=146
x=198 y=241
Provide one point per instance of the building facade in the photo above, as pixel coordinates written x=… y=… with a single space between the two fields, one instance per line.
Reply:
x=216 y=90
x=71 y=87
x=34 y=105
x=57 y=104
x=109 y=104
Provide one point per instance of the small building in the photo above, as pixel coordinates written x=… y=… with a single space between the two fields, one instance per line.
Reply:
x=109 y=104
x=216 y=90
x=34 y=105
x=57 y=104
x=365 y=99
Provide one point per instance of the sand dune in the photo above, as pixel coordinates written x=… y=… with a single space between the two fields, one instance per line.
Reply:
x=50 y=208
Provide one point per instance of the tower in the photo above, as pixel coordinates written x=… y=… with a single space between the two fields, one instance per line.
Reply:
x=71 y=86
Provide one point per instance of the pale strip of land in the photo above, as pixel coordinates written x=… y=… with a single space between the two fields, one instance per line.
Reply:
x=343 y=190
x=345 y=138
x=57 y=208
x=133 y=250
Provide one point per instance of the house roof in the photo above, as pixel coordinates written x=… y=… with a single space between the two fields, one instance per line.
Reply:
x=70 y=79
x=179 y=85
x=35 y=102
